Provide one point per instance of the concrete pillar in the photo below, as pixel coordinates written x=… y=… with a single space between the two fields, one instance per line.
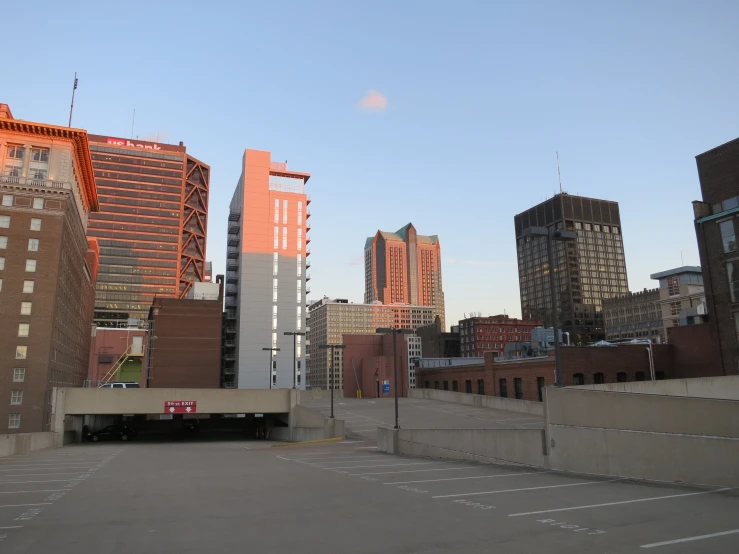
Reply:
x=58 y=400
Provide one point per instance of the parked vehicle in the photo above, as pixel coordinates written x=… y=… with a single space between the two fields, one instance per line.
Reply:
x=113 y=433
x=120 y=386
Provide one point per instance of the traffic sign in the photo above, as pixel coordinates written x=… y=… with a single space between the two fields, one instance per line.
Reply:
x=180 y=406
x=385 y=387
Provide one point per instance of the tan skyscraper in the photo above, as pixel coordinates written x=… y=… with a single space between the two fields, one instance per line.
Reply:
x=404 y=268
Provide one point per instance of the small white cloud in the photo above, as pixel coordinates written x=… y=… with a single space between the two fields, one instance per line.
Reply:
x=374 y=101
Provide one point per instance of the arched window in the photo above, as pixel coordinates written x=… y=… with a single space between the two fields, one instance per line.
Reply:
x=578 y=379
x=621 y=377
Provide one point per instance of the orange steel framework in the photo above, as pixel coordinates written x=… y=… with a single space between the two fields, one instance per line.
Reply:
x=194 y=225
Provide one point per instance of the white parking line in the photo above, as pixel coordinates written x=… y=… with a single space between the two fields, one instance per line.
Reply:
x=12 y=527
x=21 y=505
x=690 y=539
x=340 y=460
x=41 y=490
x=41 y=468
x=459 y=478
x=411 y=471
x=46 y=466
x=42 y=474
x=47 y=481
x=526 y=489
x=384 y=465
x=618 y=503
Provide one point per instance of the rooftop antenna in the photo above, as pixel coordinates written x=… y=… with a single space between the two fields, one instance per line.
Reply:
x=133 y=120
x=71 y=106
x=559 y=175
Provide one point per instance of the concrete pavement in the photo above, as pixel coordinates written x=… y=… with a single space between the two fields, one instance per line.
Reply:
x=226 y=497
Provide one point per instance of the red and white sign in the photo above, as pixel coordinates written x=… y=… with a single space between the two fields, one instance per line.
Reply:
x=122 y=142
x=180 y=406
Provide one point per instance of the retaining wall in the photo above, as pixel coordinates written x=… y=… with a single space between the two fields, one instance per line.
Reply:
x=23 y=443
x=480 y=401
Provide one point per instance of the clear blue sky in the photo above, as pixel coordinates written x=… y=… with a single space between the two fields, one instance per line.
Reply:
x=479 y=97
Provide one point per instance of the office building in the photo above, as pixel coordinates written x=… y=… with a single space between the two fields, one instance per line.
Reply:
x=436 y=343
x=478 y=335
x=47 y=192
x=151 y=227
x=716 y=228
x=587 y=270
x=404 y=268
x=682 y=299
x=266 y=279
x=634 y=315
x=332 y=320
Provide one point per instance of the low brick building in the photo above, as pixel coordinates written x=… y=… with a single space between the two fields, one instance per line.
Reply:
x=524 y=378
x=368 y=364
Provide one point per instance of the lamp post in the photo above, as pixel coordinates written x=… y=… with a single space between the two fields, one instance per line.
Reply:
x=271 y=350
x=295 y=360
x=395 y=332
x=331 y=381
x=551 y=235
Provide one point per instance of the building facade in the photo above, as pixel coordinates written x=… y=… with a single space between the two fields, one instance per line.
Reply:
x=404 y=268
x=117 y=354
x=436 y=343
x=374 y=361
x=266 y=279
x=634 y=315
x=151 y=226
x=682 y=299
x=586 y=271
x=332 y=320
x=716 y=227
x=47 y=191
x=478 y=335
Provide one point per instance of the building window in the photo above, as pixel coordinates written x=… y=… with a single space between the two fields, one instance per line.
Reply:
x=3 y=242
x=7 y=199
x=468 y=386
x=673 y=285
x=21 y=352
x=23 y=329
x=675 y=308
x=14 y=421
x=639 y=376
x=300 y=265
x=277 y=210
x=518 y=388
x=284 y=238
x=300 y=239
x=503 y=385
x=599 y=378
x=35 y=224
x=33 y=245
x=16 y=397
x=455 y=386
x=38 y=203
x=2 y=262
x=15 y=152
x=37 y=173
x=40 y=155
x=277 y=237
x=284 y=212
x=275 y=263
x=727 y=235
x=300 y=213
x=436 y=384
x=26 y=308
x=19 y=374
x=446 y=385
x=4 y=221
x=578 y=379
x=732 y=271
x=660 y=376
x=31 y=266
x=621 y=377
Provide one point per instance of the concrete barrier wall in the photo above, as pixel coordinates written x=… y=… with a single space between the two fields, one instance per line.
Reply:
x=480 y=401
x=319 y=394
x=519 y=446
x=308 y=425
x=637 y=412
x=726 y=388
x=84 y=401
x=666 y=438
x=23 y=443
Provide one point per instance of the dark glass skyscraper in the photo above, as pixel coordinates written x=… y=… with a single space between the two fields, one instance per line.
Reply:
x=586 y=271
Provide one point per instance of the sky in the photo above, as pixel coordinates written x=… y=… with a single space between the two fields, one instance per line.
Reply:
x=445 y=114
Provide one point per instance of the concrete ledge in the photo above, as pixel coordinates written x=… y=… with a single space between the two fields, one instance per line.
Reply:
x=480 y=401
x=726 y=387
x=519 y=446
x=23 y=443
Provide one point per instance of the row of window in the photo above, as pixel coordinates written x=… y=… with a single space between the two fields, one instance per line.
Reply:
x=38 y=204
x=33 y=244
x=30 y=265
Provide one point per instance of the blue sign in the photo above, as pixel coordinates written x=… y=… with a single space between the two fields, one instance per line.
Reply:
x=385 y=387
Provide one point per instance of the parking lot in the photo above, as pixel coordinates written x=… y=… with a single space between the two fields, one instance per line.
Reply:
x=225 y=497
x=362 y=416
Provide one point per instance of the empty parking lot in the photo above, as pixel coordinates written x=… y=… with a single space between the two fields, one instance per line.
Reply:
x=338 y=497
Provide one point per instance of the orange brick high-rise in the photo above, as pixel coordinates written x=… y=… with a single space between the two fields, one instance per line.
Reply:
x=404 y=268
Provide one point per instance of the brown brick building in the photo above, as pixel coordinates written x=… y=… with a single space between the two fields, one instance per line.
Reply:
x=47 y=191
x=524 y=378
x=716 y=226
x=368 y=363
x=185 y=343
x=491 y=334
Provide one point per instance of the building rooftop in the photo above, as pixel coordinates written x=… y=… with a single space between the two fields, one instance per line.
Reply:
x=677 y=271
x=402 y=235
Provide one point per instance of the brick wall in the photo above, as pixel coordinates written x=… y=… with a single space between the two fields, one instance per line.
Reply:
x=695 y=352
x=369 y=360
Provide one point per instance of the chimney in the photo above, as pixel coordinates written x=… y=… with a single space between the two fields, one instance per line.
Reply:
x=5 y=112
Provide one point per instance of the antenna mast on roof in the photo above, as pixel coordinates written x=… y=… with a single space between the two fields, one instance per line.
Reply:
x=71 y=106
x=559 y=175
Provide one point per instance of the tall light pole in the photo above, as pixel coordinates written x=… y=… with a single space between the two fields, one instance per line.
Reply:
x=295 y=334
x=395 y=332
x=271 y=350
x=551 y=235
x=331 y=381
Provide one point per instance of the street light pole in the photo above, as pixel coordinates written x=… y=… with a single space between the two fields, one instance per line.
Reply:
x=271 y=350
x=333 y=375
x=395 y=332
